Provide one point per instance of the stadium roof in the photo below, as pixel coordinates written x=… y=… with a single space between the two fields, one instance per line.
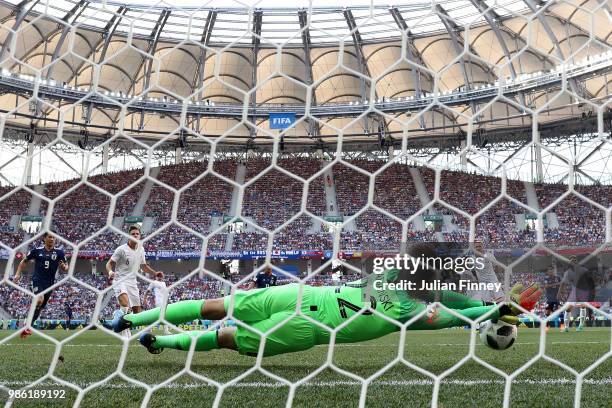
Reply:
x=360 y=70
x=279 y=25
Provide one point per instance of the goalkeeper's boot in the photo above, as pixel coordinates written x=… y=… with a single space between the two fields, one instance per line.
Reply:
x=147 y=340
x=580 y=328
x=119 y=323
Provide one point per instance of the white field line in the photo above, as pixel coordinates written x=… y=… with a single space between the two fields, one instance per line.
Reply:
x=259 y=384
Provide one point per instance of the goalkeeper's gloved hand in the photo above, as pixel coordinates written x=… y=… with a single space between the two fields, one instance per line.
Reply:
x=525 y=298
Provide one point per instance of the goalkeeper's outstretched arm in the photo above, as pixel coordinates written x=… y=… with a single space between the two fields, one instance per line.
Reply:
x=439 y=318
x=473 y=309
x=455 y=300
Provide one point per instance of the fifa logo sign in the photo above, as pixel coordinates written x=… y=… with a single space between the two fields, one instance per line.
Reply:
x=281 y=120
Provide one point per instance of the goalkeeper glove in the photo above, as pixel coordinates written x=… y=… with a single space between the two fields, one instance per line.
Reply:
x=525 y=298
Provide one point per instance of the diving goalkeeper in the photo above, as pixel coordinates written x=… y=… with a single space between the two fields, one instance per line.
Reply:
x=263 y=309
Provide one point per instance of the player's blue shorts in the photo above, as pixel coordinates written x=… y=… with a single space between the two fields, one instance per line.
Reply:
x=39 y=286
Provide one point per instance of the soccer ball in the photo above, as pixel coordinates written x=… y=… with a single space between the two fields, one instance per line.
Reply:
x=497 y=334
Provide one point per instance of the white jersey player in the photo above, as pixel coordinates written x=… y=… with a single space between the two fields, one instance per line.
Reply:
x=122 y=268
x=486 y=274
x=577 y=285
x=160 y=294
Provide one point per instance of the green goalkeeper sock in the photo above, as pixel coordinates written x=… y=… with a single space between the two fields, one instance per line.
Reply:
x=205 y=341
x=179 y=312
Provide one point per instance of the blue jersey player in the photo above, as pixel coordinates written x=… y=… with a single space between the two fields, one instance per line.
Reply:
x=46 y=261
x=264 y=279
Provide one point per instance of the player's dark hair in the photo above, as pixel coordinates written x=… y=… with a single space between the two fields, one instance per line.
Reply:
x=133 y=227
x=48 y=232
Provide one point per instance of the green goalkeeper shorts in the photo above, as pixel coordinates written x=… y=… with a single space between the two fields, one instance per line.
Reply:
x=261 y=310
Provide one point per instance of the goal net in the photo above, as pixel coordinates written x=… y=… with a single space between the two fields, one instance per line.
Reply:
x=318 y=141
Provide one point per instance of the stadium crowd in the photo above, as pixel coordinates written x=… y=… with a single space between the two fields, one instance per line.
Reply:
x=276 y=196
x=14 y=201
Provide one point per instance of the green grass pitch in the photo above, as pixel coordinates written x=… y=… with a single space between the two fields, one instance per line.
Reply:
x=94 y=355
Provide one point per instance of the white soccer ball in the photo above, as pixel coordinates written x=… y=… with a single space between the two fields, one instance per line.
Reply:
x=497 y=334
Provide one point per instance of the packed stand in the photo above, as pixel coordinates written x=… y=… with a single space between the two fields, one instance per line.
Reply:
x=275 y=197
x=300 y=234
x=305 y=168
x=18 y=202
x=580 y=224
x=468 y=192
x=497 y=225
x=375 y=231
x=472 y=192
x=352 y=186
x=395 y=191
x=78 y=214
x=599 y=194
x=208 y=197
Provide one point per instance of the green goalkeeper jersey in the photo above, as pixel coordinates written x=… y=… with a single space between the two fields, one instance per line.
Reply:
x=383 y=310
x=294 y=317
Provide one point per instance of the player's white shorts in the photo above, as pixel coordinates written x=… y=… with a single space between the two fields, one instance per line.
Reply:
x=129 y=287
